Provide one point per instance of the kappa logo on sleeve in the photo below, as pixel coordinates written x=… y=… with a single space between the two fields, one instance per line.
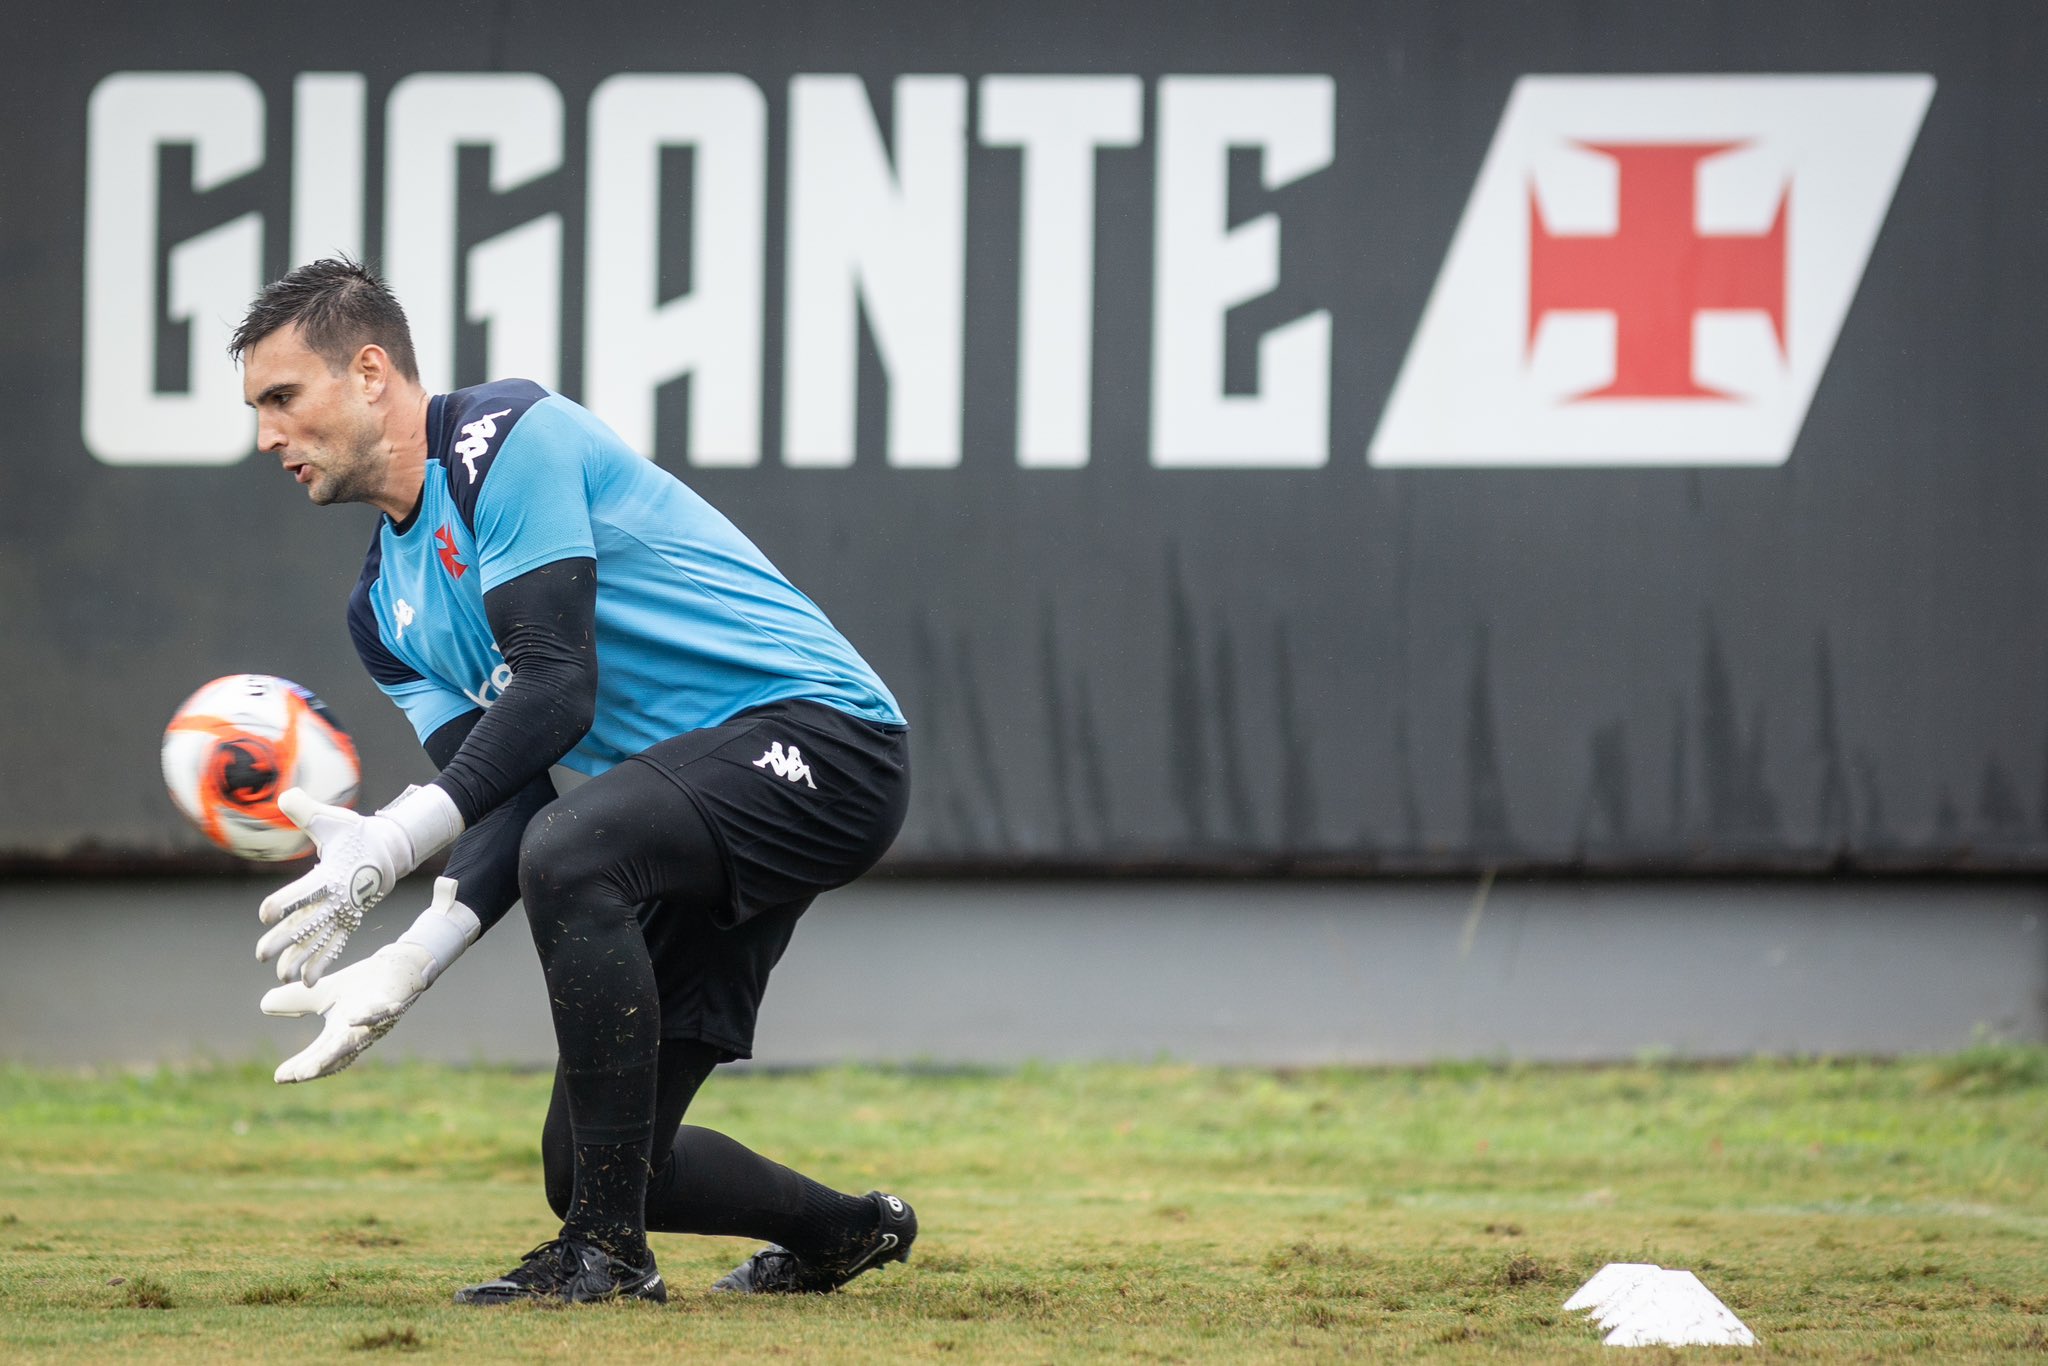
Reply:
x=1652 y=270
x=476 y=439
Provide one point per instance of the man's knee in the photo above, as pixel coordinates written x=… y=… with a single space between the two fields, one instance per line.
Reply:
x=554 y=855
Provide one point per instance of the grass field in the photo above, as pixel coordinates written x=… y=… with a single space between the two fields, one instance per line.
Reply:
x=1847 y=1211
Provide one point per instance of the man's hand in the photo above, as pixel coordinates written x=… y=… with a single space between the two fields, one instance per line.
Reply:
x=362 y=1002
x=360 y=859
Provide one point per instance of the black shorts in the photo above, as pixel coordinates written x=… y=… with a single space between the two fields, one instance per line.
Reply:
x=800 y=798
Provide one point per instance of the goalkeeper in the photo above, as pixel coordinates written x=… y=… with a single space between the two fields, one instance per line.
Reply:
x=537 y=593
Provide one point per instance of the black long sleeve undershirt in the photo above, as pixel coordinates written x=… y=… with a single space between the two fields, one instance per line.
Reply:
x=485 y=860
x=545 y=623
x=494 y=762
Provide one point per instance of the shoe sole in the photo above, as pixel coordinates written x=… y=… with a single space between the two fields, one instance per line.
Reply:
x=654 y=1290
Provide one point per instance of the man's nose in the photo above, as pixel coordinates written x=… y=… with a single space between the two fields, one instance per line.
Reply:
x=269 y=437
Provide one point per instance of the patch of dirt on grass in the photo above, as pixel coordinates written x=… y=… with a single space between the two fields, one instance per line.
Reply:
x=1522 y=1269
x=389 y=1340
x=367 y=1231
x=145 y=1292
x=1326 y=1256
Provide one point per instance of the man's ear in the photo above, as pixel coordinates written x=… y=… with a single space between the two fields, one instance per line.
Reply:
x=371 y=369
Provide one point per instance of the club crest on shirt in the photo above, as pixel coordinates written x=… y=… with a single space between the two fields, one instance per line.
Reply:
x=444 y=542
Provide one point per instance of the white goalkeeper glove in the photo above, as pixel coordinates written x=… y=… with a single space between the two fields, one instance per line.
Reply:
x=362 y=1002
x=360 y=859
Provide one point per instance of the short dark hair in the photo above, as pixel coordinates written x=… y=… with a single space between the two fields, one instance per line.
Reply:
x=340 y=306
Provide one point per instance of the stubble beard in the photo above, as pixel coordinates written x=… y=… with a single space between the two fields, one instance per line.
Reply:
x=353 y=477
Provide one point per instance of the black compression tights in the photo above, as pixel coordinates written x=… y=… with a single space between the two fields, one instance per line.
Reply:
x=588 y=861
x=704 y=1182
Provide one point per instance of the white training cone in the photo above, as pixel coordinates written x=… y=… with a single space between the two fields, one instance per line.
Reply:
x=1643 y=1305
x=1609 y=1283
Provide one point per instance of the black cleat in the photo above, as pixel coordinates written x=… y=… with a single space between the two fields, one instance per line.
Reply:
x=569 y=1272
x=778 y=1271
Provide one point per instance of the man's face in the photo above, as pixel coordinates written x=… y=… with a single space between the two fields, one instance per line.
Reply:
x=319 y=424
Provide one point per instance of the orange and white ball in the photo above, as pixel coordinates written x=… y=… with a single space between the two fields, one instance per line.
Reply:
x=238 y=743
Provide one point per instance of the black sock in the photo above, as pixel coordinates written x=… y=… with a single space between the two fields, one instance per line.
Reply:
x=710 y=1184
x=831 y=1224
x=611 y=1191
x=611 y=1116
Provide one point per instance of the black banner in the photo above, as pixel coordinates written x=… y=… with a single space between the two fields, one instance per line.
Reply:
x=1400 y=437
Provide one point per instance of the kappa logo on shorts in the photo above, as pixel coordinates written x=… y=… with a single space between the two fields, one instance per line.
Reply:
x=787 y=763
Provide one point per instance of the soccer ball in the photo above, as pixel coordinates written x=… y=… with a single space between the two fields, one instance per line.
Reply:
x=239 y=742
